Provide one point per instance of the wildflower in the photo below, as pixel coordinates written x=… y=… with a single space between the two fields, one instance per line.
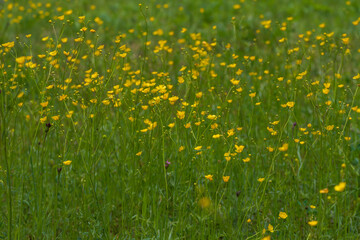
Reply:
x=20 y=60
x=357 y=76
x=173 y=99
x=313 y=223
x=284 y=147
x=283 y=215
x=44 y=104
x=230 y=132
x=227 y=156
x=43 y=119
x=340 y=187
x=329 y=127
x=53 y=53
x=55 y=118
x=106 y=102
x=239 y=149
x=67 y=163
x=48 y=126
x=235 y=82
x=271 y=228
x=62 y=97
x=212 y=117
x=290 y=104
x=345 y=41
x=270 y=149
x=167 y=164
x=199 y=95
x=180 y=114
x=261 y=180
x=226 y=178
x=325 y=91
x=209 y=177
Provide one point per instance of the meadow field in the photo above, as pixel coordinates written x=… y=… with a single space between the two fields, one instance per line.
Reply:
x=185 y=119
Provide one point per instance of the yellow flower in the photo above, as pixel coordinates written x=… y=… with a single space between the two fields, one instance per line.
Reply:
x=44 y=104
x=53 y=53
x=271 y=228
x=67 y=163
x=230 y=132
x=252 y=94
x=173 y=99
x=261 y=179
x=284 y=147
x=209 y=177
x=329 y=128
x=239 y=149
x=180 y=114
x=340 y=187
x=216 y=136
x=8 y=44
x=55 y=118
x=212 y=117
x=20 y=60
x=245 y=160
x=357 y=76
x=106 y=102
x=226 y=178
x=20 y=95
x=345 y=41
x=198 y=148
x=313 y=223
x=62 y=97
x=237 y=6
x=290 y=104
x=283 y=215
x=42 y=120
x=235 y=82
x=270 y=149
x=199 y=94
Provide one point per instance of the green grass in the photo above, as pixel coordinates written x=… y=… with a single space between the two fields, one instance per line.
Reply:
x=126 y=124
